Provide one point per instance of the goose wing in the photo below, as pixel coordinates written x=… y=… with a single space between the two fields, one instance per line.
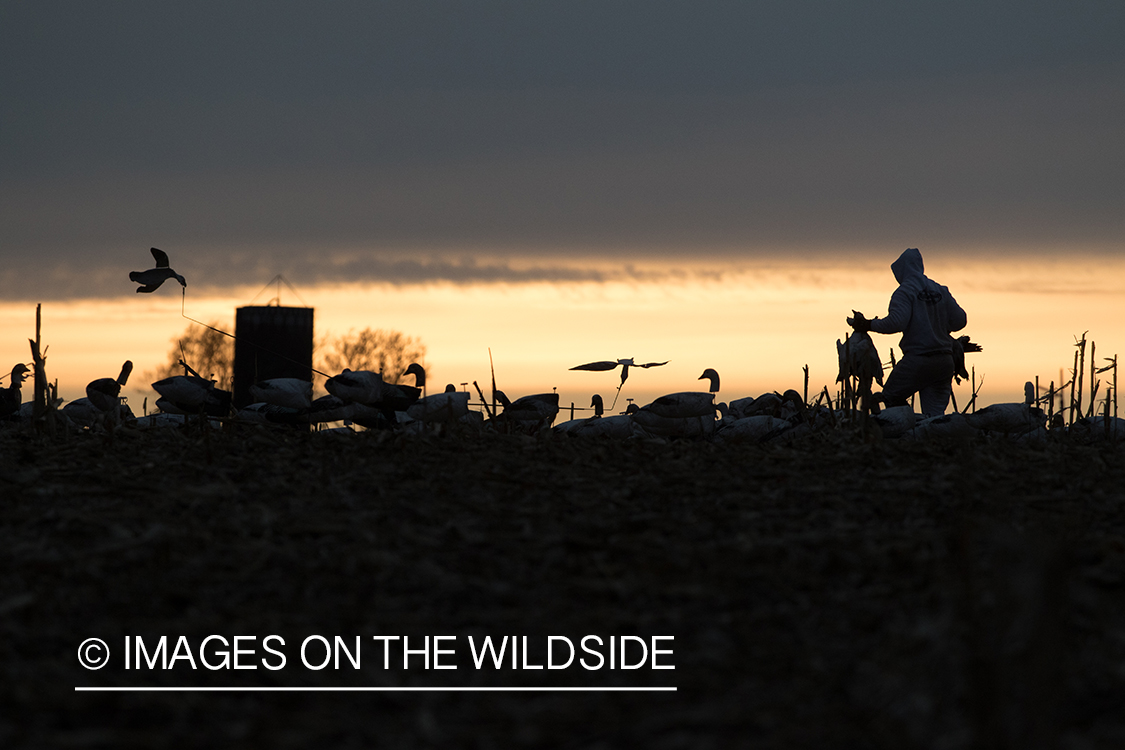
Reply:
x=160 y=256
x=652 y=364
x=596 y=366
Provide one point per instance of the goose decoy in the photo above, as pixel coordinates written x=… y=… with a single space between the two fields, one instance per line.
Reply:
x=419 y=374
x=617 y=426
x=11 y=397
x=895 y=421
x=291 y=393
x=267 y=413
x=105 y=393
x=685 y=414
x=710 y=374
x=81 y=413
x=952 y=426
x=397 y=398
x=528 y=414
x=330 y=409
x=1010 y=418
x=369 y=389
x=1098 y=428
x=440 y=407
x=190 y=394
x=356 y=386
x=151 y=279
x=748 y=429
x=625 y=364
x=596 y=404
x=688 y=404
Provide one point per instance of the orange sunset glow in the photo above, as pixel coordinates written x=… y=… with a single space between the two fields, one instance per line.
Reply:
x=758 y=326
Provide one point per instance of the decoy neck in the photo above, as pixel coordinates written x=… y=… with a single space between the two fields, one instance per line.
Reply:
x=710 y=374
x=419 y=374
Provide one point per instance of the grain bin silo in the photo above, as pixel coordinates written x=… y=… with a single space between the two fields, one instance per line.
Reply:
x=271 y=342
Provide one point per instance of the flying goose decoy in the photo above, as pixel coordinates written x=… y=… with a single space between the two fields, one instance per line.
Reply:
x=625 y=364
x=151 y=279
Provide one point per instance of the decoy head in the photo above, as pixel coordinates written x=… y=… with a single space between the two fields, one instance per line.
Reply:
x=19 y=372
x=418 y=372
x=710 y=374
x=599 y=406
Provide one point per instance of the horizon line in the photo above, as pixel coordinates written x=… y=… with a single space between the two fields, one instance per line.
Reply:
x=370 y=689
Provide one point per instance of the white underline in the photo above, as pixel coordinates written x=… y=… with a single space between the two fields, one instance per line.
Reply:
x=373 y=689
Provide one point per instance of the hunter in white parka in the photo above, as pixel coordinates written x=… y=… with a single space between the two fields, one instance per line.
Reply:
x=925 y=313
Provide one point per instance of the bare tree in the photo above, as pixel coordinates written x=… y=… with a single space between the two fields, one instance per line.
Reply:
x=386 y=352
x=207 y=351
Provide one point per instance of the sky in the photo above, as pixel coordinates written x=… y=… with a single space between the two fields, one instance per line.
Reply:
x=456 y=156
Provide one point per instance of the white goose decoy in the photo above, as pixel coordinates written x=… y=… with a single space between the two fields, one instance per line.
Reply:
x=617 y=426
x=772 y=404
x=440 y=407
x=267 y=413
x=1098 y=428
x=766 y=417
x=105 y=393
x=895 y=421
x=151 y=279
x=291 y=393
x=357 y=386
x=190 y=394
x=330 y=409
x=82 y=413
x=683 y=405
x=952 y=426
x=11 y=397
x=748 y=429
x=397 y=398
x=1010 y=418
x=625 y=364
x=684 y=414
